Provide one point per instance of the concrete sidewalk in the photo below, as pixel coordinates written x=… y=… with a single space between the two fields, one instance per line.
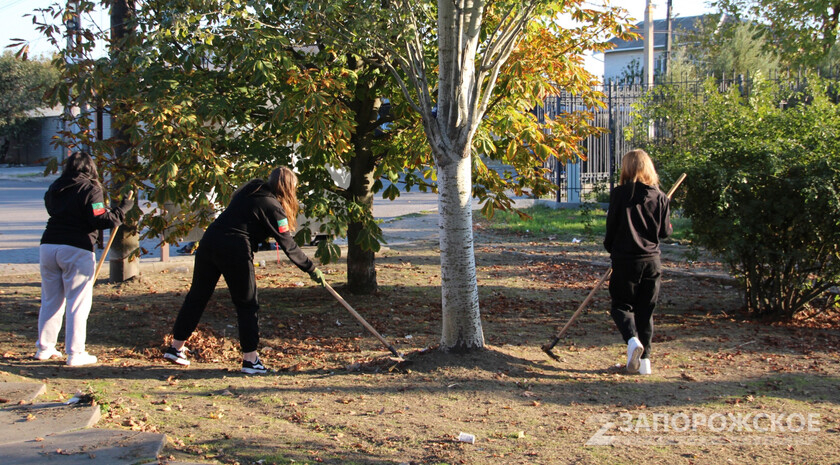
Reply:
x=63 y=434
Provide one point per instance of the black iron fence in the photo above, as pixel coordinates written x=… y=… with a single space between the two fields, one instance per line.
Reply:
x=583 y=180
x=593 y=178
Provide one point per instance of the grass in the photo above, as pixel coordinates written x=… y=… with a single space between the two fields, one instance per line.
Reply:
x=316 y=409
x=569 y=223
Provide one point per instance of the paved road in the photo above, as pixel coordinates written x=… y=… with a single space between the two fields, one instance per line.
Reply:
x=23 y=217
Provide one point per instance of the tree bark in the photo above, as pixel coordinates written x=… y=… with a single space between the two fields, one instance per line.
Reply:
x=458 y=29
x=462 y=329
x=361 y=268
x=127 y=240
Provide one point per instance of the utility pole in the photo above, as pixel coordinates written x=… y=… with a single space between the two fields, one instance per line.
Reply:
x=669 y=20
x=649 y=43
x=648 y=58
x=126 y=239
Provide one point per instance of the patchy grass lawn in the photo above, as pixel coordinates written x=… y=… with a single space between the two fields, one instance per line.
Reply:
x=333 y=398
x=587 y=223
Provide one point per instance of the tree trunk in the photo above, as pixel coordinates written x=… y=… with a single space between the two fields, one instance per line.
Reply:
x=450 y=135
x=361 y=268
x=126 y=239
x=462 y=330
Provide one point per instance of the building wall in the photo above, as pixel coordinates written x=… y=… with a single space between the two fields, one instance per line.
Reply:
x=49 y=128
x=615 y=62
x=39 y=148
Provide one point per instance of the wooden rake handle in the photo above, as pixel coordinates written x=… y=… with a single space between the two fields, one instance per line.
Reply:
x=105 y=253
x=676 y=185
x=362 y=320
x=585 y=302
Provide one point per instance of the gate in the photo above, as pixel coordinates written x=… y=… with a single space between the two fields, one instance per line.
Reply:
x=581 y=180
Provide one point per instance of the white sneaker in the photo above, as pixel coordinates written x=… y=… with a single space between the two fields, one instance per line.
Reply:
x=644 y=366
x=634 y=353
x=46 y=354
x=82 y=358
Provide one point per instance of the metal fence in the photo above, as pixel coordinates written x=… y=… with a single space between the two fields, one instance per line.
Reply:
x=583 y=180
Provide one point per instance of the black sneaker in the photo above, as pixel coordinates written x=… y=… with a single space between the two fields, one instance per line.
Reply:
x=254 y=368
x=177 y=356
x=188 y=248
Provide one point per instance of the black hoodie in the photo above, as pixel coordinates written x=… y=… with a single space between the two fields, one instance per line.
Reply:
x=638 y=217
x=255 y=213
x=77 y=211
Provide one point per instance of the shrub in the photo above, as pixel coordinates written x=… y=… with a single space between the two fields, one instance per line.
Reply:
x=763 y=189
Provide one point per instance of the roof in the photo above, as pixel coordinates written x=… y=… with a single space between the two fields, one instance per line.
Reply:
x=42 y=112
x=660 y=29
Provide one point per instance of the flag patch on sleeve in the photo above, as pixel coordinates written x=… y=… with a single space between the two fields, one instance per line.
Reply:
x=98 y=208
x=283 y=225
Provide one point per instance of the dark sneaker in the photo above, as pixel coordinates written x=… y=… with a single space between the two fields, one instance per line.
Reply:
x=254 y=368
x=188 y=248
x=177 y=356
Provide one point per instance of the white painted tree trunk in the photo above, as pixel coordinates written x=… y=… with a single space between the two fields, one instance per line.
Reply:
x=466 y=79
x=459 y=27
x=461 y=316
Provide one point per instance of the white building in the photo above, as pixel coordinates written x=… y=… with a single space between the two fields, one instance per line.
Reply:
x=627 y=55
x=37 y=145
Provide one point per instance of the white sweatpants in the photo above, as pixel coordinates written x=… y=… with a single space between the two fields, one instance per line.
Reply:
x=66 y=286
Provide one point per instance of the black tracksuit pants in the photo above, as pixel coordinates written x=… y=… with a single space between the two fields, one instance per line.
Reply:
x=634 y=289
x=231 y=257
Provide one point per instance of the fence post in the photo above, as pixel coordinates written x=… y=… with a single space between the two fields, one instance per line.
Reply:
x=557 y=166
x=612 y=135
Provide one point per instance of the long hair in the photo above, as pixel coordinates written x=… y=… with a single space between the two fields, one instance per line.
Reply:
x=283 y=184
x=80 y=164
x=637 y=166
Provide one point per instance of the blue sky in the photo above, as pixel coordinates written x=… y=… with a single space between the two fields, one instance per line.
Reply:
x=14 y=25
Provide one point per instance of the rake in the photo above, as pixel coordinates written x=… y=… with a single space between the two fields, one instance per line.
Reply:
x=363 y=322
x=105 y=253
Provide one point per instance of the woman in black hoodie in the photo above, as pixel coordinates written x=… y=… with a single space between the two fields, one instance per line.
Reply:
x=77 y=210
x=257 y=210
x=638 y=217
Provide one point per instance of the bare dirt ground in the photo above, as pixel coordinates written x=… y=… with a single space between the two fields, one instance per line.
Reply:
x=336 y=398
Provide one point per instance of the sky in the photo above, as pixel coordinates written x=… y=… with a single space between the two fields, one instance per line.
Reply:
x=14 y=26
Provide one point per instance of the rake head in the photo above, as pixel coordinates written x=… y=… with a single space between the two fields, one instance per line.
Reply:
x=551 y=354
x=547 y=349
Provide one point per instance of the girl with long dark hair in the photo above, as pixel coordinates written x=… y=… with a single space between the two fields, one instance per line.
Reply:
x=76 y=205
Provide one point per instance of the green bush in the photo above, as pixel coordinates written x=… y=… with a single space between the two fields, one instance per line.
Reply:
x=763 y=188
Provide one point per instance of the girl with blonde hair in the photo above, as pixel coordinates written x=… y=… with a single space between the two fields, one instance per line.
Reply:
x=257 y=210
x=637 y=219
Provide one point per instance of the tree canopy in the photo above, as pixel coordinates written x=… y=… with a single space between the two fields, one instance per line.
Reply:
x=215 y=92
x=22 y=87
x=801 y=33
